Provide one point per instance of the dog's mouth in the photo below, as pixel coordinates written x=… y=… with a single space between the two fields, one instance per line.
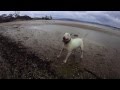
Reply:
x=66 y=40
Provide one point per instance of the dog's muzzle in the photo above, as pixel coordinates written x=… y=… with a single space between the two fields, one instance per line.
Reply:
x=65 y=40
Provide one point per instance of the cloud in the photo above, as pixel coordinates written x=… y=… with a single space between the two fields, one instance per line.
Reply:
x=104 y=17
x=109 y=18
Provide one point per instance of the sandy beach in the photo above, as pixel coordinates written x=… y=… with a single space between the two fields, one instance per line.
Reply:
x=29 y=49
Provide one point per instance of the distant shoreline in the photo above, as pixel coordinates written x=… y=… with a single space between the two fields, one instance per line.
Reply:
x=72 y=20
x=87 y=22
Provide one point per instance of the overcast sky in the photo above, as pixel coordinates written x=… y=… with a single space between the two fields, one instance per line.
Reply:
x=104 y=17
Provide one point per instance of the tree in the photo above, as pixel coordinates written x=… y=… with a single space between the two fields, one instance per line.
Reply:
x=46 y=17
x=4 y=15
x=16 y=14
x=50 y=17
x=10 y=17
x=3 y=18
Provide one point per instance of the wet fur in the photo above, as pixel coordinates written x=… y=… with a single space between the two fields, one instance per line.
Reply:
x=70 y=44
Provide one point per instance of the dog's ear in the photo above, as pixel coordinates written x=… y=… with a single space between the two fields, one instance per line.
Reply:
x=75 y=35
x=64 y=33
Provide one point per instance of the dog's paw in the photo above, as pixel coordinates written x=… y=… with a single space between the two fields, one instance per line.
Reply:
x=81 y=57
x=58 y=56
x=64 y=61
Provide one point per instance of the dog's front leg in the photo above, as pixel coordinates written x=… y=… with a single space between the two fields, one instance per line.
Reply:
x=60 y=52
x=69 y=53
x=81 y=51
x=81 y=54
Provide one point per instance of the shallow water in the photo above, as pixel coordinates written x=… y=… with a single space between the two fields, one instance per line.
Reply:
x=98 y=37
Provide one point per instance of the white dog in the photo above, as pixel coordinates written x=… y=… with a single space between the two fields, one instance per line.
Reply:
x=71 y=44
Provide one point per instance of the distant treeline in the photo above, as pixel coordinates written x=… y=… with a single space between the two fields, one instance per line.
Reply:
x=43 y=18
x=12 y=17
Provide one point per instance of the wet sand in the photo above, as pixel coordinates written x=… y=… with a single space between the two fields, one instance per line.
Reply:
x=29 y=50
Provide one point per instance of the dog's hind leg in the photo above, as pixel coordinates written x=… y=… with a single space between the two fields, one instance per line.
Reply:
x=81 y=47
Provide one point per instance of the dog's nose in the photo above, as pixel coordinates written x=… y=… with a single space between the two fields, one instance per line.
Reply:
x=63 y=38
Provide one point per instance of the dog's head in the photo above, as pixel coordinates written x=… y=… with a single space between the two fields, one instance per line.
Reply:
x=66 y=38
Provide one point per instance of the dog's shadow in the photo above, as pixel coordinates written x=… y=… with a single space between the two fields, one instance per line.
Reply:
x=74 y=57
x=69 y=69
